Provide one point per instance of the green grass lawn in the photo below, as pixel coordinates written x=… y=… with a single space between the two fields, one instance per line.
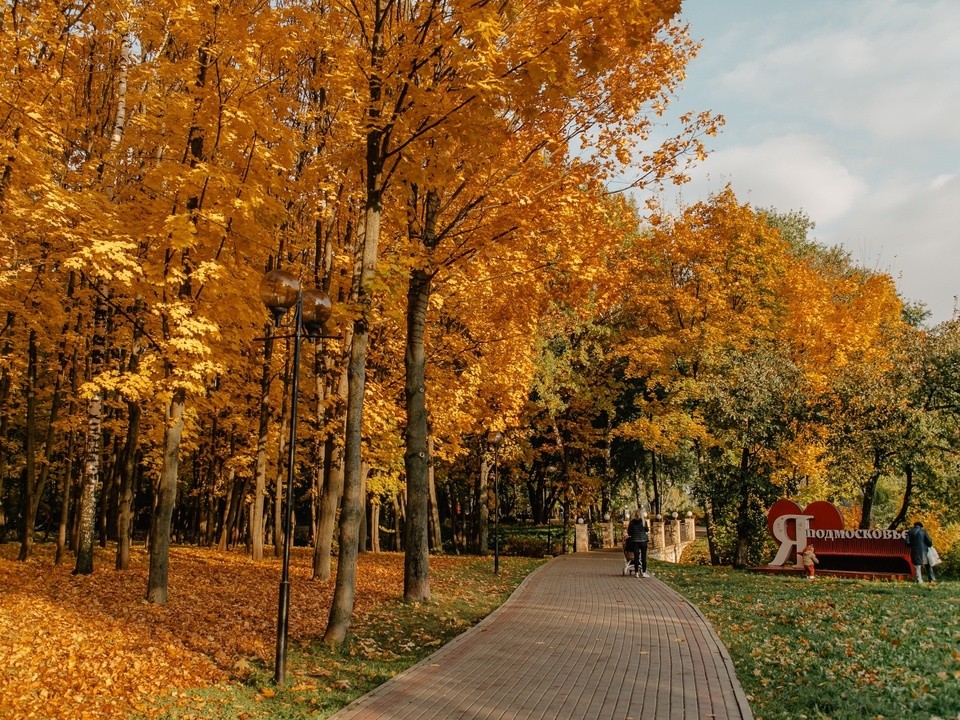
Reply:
x=833 y=648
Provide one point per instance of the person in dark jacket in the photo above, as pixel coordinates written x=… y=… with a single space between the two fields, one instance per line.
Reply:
x=638 y=536
x=919 y=541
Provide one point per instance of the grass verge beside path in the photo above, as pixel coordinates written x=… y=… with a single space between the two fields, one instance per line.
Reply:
x=833 y=648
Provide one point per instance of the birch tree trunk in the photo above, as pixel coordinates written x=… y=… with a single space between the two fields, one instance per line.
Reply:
x=90 y=484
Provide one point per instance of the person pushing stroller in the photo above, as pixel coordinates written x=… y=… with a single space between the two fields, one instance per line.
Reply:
x=635 y=545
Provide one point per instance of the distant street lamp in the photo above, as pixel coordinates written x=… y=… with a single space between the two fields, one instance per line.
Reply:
x=281 y=291
x=676 y=537
x=494 y=438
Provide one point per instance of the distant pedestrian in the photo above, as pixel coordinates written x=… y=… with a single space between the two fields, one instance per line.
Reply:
x=638 y=537
x=809 y=558
x=919 y=541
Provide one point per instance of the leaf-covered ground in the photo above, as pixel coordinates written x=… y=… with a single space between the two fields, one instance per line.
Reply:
x=83 y=647
x=833 y=649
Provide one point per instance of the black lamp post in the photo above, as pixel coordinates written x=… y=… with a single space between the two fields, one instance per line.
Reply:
x=494 y=438
x=280 y=291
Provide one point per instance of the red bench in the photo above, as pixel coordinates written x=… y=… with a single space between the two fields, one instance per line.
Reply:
x=887 y=555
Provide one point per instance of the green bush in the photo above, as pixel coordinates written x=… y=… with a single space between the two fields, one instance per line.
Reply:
x=525 y=545
x=949 y=568
x=696 y=553
x=532 y=540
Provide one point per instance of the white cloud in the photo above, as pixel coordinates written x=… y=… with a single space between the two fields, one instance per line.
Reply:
x=848 y=112
x=889 y=70
x=940 y=180
x=791 y=172
x=912 y=233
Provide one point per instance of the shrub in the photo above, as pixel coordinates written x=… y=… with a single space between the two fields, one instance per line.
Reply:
x=949 y=568
x=696 y=553
x=532 y=540
x=525 y=545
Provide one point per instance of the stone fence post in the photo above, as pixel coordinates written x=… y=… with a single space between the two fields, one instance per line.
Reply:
x=609 y=540
x=673 y=536
x=689 y=531
x=656 y=533
x=581 y=538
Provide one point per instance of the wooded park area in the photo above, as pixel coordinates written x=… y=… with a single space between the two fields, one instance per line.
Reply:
x=451 y=176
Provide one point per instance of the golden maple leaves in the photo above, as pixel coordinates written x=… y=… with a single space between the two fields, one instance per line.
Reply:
x=75 y=645
x=91 y=647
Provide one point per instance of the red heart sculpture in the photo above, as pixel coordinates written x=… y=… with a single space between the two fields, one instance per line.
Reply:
x=825 y=515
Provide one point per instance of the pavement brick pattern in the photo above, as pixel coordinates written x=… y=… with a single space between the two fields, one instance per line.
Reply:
x=576 y=640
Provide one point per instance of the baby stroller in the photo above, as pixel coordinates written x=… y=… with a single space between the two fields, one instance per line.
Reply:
x=632 y=565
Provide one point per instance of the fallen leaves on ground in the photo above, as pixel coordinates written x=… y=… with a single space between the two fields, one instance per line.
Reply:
x=90 y=646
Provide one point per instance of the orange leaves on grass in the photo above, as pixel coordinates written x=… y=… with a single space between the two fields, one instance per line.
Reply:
x=92 y=647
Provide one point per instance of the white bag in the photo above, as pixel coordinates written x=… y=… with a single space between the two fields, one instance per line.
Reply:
x=933 y=557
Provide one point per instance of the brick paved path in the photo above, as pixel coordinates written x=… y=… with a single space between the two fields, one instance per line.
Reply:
x=576 y=640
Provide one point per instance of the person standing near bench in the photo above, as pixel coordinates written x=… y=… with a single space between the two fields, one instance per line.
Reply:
x=919 y=541
x=638 y=536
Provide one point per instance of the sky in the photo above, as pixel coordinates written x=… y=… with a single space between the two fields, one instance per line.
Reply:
x=848 y=110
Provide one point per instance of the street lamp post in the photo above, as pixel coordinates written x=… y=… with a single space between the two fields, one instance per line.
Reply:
x=494 y=438
x=676 y=537
x=280 y=291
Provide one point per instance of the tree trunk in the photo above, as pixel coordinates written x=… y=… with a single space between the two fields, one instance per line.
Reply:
x=341 y=608
x=5 y=384
x=128 y=468
x=65 y=507
x=31 y=494
x=483 y=507
x=240 y=519
x=374 y=525
x=744 y=538
x=329 y=504
x=397 y=522
x=378 y=137
x=333 y=472
x=655 y=482
x=88 y=492
x=86 y=517
x=108 y=496
x=281 y=473
x=711 y=535
x=870 y=491
x=260 y=463
x=231 y=508
x=537 y=493
x=436 y=536
x=416 y=558
x=362 y=533
x=166 y=500
x=901 y=517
